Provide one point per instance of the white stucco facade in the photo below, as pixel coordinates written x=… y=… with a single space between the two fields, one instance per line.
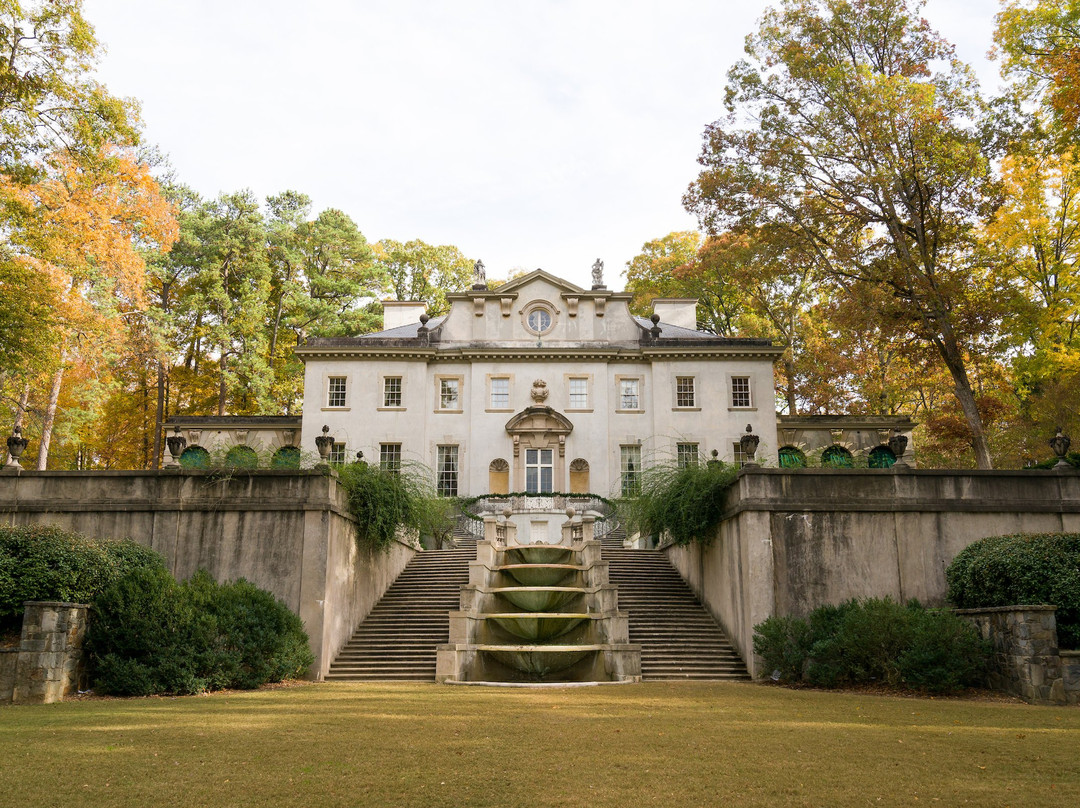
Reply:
x=542 y=385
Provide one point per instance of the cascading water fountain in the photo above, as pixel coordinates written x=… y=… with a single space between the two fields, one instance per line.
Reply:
x=538 y=613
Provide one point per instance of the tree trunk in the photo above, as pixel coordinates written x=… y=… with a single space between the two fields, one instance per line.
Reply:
x=954 y=361
x=789 y=371
x=222 y=390
x=159 y=413
x=50 y=418
x=20 y=411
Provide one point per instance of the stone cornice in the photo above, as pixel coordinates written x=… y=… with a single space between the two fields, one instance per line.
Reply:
x=551 y=353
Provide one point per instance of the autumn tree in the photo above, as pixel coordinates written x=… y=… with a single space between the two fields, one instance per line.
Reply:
x=1040 y=47
x=652 y=272
x=852 y=126
x=1035 y=236
x=420 y=271
x=324 y=281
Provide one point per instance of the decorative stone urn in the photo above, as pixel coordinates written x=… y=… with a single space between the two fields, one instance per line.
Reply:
x=1059 y=443
x=324 y=443
x=898 y=445
x=176 y=443
x=16 y=445
x=748 y=443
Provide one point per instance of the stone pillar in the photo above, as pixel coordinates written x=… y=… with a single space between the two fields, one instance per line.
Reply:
x=1026 y=660
x=50 y=652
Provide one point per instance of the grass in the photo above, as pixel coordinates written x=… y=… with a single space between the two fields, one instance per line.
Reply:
x=669 y=744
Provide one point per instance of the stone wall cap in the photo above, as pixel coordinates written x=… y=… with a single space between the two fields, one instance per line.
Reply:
x=1071 y=654
x=58 y=603
x=1040 y=607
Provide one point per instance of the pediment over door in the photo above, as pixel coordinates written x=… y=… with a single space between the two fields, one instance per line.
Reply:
x=539 y=426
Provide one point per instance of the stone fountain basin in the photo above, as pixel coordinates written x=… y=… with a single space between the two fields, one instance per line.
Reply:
x=539 y=574
x=539 y=626
x=538 y=598
x=539 y=660
x=538 y=554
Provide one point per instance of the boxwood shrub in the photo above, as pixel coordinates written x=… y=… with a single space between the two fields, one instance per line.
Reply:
x=1022 y=569
x=42 y=562
x=149 y=634
x=876 y=640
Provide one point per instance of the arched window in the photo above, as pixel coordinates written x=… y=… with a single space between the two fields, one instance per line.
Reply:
x=836 y=457
x=792 y=457
x=881 y=457
x=287 y=457
x=195 y=457
x=241 y=457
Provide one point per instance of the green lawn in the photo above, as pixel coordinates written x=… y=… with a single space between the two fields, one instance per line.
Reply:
x=427 y=745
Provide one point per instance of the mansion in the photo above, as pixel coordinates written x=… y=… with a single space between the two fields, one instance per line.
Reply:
x=541 y=386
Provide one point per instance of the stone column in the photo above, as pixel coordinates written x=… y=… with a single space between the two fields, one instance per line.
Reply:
x=50 y=652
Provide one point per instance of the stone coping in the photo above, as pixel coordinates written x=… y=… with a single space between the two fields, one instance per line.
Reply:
x=1070 y=653
x=60 y=604
x=1040 y=607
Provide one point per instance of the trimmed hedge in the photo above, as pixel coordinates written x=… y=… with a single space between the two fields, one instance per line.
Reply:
x=149 y=634
x=876 y=640
x=42 y=562
x=1021 y=569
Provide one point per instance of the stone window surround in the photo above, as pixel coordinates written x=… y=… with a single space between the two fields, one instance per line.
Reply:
x=532 y=306
x=693 y=392
x=509 y=392
x=619 y=379
x=326 y=392
x=439 y=378
x=382 y=392
x=588 y=379
x=750 y=379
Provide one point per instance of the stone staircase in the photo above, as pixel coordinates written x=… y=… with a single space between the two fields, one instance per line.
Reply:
x=397 y=640
x=679 y=639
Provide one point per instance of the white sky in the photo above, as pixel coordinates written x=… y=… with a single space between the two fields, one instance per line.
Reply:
x=530 y=134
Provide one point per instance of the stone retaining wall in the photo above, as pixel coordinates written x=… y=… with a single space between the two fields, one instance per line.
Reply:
x=1026 y=659
x=795 y=539
x=48 y=664
x=288 y=532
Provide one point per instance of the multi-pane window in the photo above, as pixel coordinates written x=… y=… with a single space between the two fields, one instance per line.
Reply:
x=740 y=391
x=684 y=391
x=686 y=454
x=446 y=471
x=629 y=394
x=337 y=453
x=449 y=391
x=538 y=471
x=390 y=456
x=740 y=456
x=335 y=391
x=630 y=468
x=500 y=393
x=579 y=394
x=392 y=391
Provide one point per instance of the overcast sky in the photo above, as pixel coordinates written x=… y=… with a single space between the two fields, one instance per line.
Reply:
x=529 y=134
